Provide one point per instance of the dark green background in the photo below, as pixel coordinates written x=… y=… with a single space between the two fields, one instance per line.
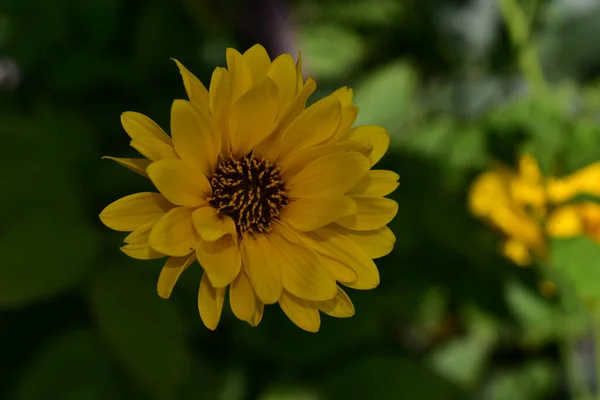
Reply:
x=451 y=319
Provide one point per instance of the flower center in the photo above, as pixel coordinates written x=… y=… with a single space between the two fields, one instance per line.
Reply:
x=250 y=191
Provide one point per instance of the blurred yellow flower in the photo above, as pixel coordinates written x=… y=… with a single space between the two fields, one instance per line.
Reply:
x=527 y=208
x=276 y=201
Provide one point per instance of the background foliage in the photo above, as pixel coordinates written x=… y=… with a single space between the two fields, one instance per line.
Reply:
x=457 y=83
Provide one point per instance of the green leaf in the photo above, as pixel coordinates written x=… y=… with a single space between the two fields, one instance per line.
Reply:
x=385 y=96
x=74 y=366
x=289 y=392
x=330 y=51
x=471 y=353
x=583 y=146
x=385 y=377
x=533 y=380
x=578 y=262
x=44 y=252
x=145 y=332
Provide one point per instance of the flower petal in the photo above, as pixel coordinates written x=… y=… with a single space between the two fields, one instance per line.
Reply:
x=212 y=226
x=340 y=306
x=376 y=183
x=241 y=80
x=139 y=127
x=373 y=213
x=258 y=62
x=344 y=94
x=253 y=117
x=314 y=125
x=375 y=135
x=376 y=243
x=565 y=221
x=194 y=136
x=174 y=233
x=300 y=312
x=258 y=313
x=153 y=149
x=307 y=214
x=137 y=165
x=299 y=75
x=349 y=115
x=180 y=183
x=194 y=88
x=140 y=235
x=328 y=176
x=297 y=105
x=301 y=271
x=141 y=251
x=131 y=212
x=346 y=251
x=242 y=298
x=210 y=303
x=219 y=98
x=170 y=272
x=283 y=72
x=220 y=259
x=262 y=265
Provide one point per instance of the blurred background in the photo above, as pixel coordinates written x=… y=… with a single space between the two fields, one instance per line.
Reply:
x=459 y=84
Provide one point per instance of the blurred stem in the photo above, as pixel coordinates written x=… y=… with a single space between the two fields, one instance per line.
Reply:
x=519 y=30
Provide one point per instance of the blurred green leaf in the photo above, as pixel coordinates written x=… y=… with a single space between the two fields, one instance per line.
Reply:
x=471 y=353
x=74 y=366
x=583 y=146
x=385 y=96
x=330 y=51
x=145 y=332
x=44 y=252
x=385 y=377
x=578 y=261
x=289 y=392
x=533 y=380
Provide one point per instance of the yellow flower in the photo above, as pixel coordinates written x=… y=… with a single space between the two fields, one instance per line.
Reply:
x=276 y=201
x=511 y=201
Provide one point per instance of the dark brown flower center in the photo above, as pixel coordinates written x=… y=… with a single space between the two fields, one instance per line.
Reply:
x=250 y=191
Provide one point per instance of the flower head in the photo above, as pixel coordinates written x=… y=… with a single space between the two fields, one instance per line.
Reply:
x=276 y=200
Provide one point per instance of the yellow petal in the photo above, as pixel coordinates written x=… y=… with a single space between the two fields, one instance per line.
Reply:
x=133 y=211
x=170 y=273
x=153 y=149
x=299 y=75
x=349 y=115
x=137 y=165
x=346 y=251
x=339 y=271
x=376 y=136
x=314 y=125
x=253 y=117
x=376 y=183
x=297 y=105
x=241 y=80
x=295 y=162
x=212 y=226
x=258 y=62
x=220 y=104
x=328 y=176
x=517 y=251
x=566 y=221
x=373 y=213
x=344 y=94
x=258 y=313
x=180 y=183
x=262 y=265
x=300 y=312
x=210 y=303
x=283 y=72
x=376 y=243
x=138 y=126
x=140 y=235
x=220 y=259
x=194 y=136
x=302 y=274
x=194 y=88
x=242 y=298
x=340 y=306
x=174 y=233
x=312 y=213
x=141 y=251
